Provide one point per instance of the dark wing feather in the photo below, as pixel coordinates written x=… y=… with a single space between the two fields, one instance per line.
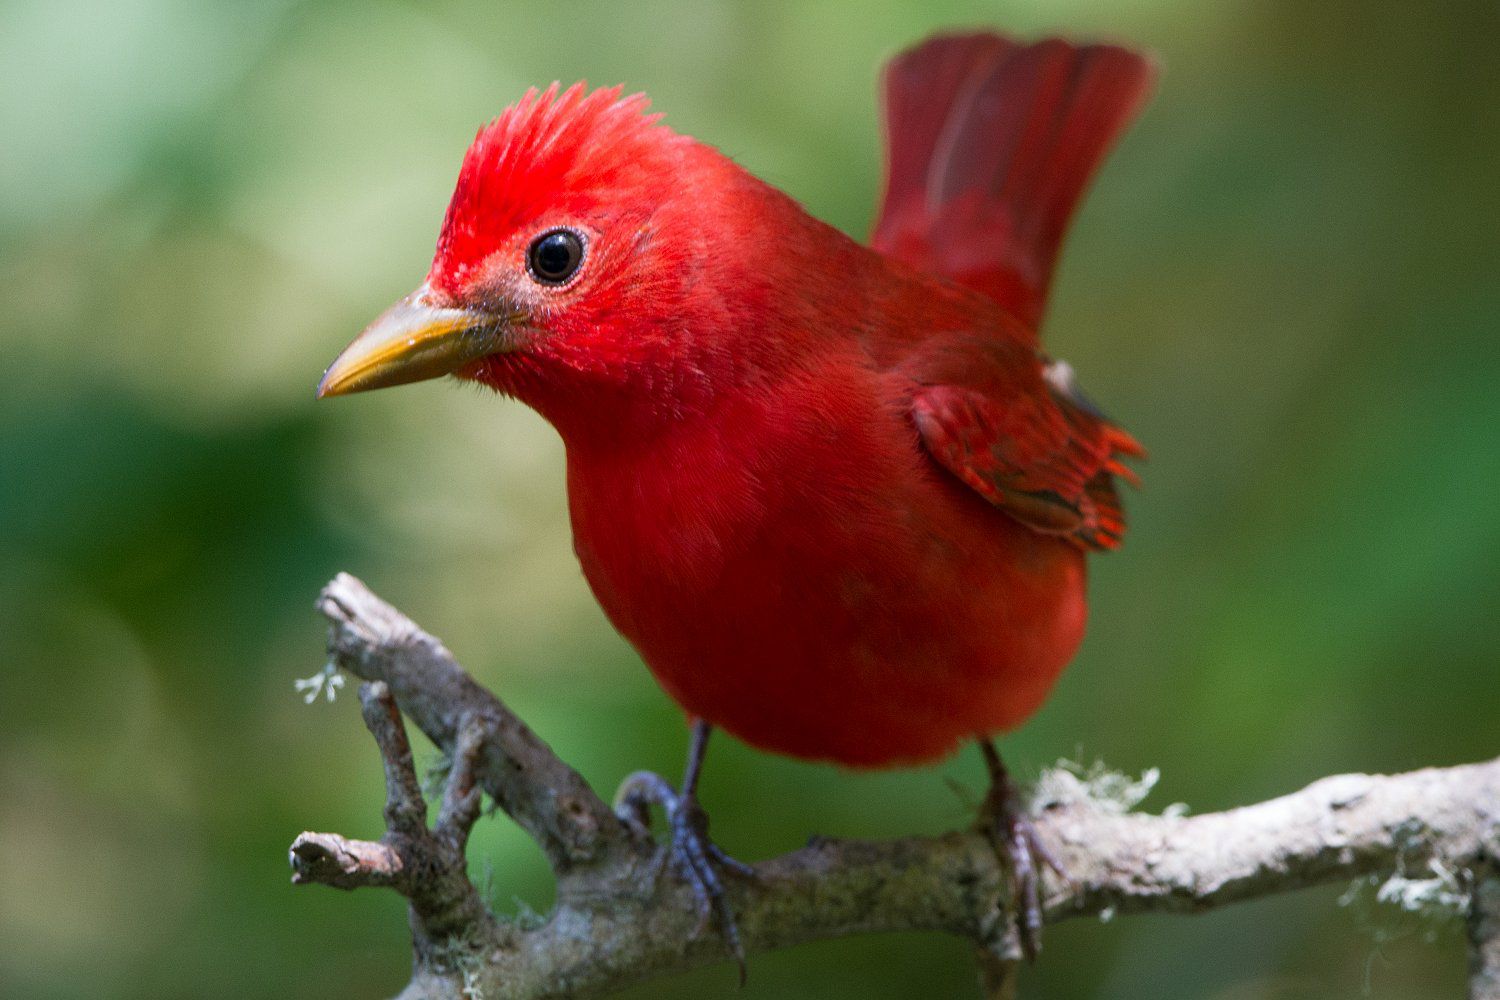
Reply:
x=1013 y=427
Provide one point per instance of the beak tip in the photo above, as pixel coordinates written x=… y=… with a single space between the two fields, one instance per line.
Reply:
x=411 y=341
x=335 y=382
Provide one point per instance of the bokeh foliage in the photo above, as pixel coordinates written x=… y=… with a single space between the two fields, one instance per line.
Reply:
x=1284 y=284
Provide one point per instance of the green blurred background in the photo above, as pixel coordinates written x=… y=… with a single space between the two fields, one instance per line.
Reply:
x=1284 y=284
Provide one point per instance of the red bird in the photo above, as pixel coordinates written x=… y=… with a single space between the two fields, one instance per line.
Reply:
x=836 y=495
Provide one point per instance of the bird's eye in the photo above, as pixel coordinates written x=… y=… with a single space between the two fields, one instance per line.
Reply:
x=554 y=256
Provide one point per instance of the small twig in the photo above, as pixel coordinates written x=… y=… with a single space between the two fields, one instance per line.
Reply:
x=426 y=866
x=462 y=799
x=332 y=860
x=546 y=797
x=405 y=809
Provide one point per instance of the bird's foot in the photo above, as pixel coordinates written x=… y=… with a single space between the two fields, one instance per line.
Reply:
x=697 y=859
x=1004 y=820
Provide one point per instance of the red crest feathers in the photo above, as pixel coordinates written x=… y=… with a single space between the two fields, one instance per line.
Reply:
x=550 y=152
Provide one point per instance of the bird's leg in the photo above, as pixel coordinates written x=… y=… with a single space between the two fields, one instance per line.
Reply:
x=695 y=857
x=1004 y=818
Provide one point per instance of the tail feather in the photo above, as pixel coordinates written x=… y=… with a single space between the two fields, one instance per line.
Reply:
x=990 y=145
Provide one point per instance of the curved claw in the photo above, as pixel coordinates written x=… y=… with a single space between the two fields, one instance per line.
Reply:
x=695 y=857
x=635 y=796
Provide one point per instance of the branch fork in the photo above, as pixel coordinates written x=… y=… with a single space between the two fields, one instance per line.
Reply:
x=616 y=924
x=426 y=865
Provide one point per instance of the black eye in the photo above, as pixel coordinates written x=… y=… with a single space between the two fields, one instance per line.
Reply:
x=554 y=256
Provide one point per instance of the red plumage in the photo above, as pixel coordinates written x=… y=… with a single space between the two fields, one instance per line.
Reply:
x=991 y=144
x=835 y=495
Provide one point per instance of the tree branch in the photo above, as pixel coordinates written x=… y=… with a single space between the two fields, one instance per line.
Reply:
x=426 y=866
x=550 y=800
x=618 y=921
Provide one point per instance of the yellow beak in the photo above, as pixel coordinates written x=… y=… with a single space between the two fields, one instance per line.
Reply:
x=415 y=340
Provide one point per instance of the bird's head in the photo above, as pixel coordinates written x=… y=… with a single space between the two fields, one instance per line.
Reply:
x=586 y=249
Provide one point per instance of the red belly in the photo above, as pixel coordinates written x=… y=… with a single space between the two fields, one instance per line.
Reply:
x=868 y=627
